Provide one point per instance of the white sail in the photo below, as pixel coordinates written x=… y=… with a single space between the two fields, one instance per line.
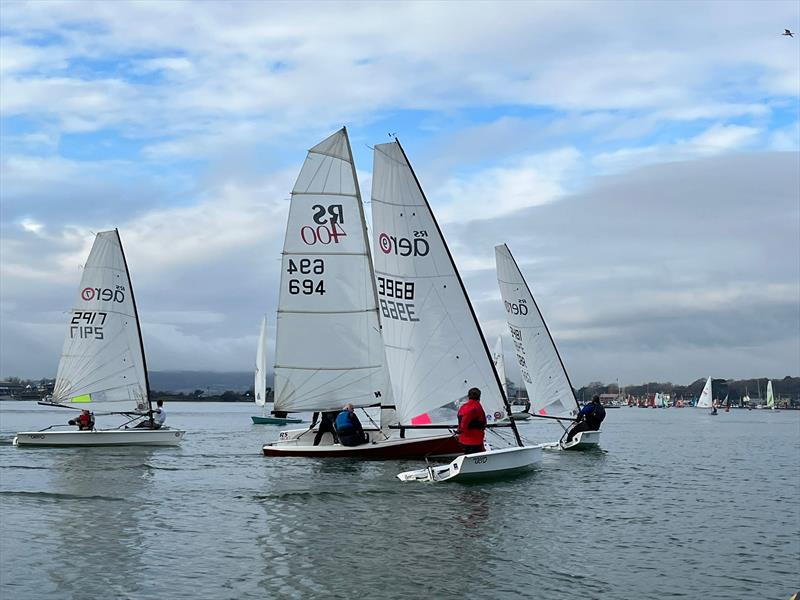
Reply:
x=102 y=359
x=546 y=380
x=435 y=351
x=705 y=400
x=499 y=363
x=260 y=386
x=770 y=396
x=328 y=348
x=658 y=400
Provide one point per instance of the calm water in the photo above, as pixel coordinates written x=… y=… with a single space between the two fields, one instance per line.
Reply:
x=678 y=505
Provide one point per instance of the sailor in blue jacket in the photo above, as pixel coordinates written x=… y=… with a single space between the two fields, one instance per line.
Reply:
x=589 y=418
x=349 y=428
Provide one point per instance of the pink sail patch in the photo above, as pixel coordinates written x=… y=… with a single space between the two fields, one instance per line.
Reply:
x=423 y=419
x=542 y=411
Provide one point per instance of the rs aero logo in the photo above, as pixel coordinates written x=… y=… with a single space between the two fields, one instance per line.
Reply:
x=418 y=246
x=105 y=294
x=520 y=308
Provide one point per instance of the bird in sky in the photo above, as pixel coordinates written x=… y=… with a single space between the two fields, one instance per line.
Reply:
x=787 y=32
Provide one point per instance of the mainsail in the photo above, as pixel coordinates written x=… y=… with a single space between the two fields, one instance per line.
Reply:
x=545 y=377
x=770 y=396
x=103 y=358
x=705 y=400
x=260 y=386
x=328 y=348
x=435 y=351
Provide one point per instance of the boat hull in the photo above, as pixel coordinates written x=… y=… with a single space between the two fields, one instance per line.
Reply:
x=111 y=437
x=395 y=448
x=481 y=466
x=275 y=421
x=583 y=440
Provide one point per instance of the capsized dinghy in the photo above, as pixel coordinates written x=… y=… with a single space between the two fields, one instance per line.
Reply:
x=103 y=360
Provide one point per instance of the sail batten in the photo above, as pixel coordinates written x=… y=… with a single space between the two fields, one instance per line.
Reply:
x=102 y=358
x=328 y=347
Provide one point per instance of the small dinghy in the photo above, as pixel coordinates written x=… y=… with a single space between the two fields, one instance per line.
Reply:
x=103 y=360
x=274 y=420
x=491 y=464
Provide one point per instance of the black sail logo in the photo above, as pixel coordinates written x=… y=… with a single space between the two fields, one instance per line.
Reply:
x=402 y=246
x=105 y=294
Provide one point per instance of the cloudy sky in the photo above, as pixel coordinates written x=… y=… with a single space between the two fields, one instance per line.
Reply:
x=642 y=161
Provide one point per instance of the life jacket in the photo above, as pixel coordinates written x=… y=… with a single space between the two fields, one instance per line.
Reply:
x=85 y=421
x=597 y=415
x=343 y=422
x=471 y=423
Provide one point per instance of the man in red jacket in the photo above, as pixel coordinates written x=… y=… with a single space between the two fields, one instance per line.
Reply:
x=471 y=423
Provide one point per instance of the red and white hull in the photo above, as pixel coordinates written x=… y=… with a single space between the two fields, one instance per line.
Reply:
x=299 y=443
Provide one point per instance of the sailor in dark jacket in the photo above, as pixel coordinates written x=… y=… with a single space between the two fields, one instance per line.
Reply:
x=589 y=418
x=349 y=428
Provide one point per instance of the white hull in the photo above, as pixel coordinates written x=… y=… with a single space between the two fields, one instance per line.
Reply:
x=583 y=440
x=481 y=465
x=110 y=437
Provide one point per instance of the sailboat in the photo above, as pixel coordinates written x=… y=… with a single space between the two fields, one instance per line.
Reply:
x=705 y=400
x=102 y=360
x=329 y=350
x=260 y=386
x=543 y=371
x=435 y=350
x=770 y=396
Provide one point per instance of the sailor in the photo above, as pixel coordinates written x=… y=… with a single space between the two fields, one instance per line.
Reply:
x=349 y=428
x=325 y=426
x=589 y=418
x=159 y=415
x=471 y=423
x=85 y=421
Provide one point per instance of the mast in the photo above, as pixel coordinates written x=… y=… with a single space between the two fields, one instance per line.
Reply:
x=546 y=328
x=138 y=329
x=466 y=296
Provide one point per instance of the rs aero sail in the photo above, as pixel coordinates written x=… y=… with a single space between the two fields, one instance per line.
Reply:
x=102 y=361
x=435 y=351
x=543 y=372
